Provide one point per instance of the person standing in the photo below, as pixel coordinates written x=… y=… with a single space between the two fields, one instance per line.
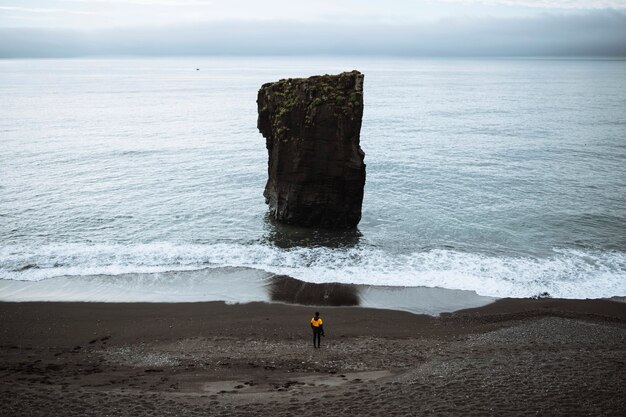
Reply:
x=318 y=329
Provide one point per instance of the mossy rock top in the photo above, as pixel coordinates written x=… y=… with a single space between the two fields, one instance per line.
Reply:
x=299 y=101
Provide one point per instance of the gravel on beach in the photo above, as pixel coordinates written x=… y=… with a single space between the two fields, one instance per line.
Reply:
x=513 y=357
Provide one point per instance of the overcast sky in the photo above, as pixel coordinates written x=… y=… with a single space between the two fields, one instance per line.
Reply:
x=30 y=28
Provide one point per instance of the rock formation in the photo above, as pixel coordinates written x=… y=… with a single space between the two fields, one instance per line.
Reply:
x=316 y=170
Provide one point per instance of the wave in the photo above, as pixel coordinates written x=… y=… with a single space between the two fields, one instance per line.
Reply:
x=566 y=273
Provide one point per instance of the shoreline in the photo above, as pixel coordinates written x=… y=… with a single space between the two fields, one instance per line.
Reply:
x=510 y=357
x=236 y=285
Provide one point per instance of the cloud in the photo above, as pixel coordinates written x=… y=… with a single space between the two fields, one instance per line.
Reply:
x=170 y=3
x=596 y=33
x=550 y=4
x=143 y=13
x=43 y=10
x=63 y=14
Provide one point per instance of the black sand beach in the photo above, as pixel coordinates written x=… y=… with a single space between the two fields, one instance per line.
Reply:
x=512 y=357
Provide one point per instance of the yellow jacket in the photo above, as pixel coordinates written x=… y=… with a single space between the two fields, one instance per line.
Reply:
x=317 y=323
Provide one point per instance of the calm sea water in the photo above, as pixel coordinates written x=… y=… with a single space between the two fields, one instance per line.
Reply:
x=507 y=177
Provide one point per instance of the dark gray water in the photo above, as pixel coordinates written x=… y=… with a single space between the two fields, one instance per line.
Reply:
x=506 y=177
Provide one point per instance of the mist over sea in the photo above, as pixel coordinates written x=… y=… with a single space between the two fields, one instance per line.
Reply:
x=505 y=177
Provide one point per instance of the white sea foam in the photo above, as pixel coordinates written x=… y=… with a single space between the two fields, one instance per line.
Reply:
x=566 y=273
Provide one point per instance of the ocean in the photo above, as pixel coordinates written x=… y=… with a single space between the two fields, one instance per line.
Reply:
x=504 y=177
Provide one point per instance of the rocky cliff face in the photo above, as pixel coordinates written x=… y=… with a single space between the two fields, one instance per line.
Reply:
x=316 y=170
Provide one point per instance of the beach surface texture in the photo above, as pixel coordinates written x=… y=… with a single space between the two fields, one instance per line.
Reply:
x=513 y=357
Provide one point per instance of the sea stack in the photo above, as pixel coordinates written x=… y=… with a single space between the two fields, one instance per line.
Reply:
x=312 y=129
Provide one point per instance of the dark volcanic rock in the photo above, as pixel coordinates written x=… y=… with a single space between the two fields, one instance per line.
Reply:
x=316 y=170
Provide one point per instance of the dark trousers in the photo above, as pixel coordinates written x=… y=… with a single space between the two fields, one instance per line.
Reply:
x=317 y=335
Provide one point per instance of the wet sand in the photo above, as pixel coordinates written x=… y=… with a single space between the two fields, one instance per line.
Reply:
x=235 y=285
x=512 y=357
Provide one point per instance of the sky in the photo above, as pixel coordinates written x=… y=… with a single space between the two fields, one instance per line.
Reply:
x=64 y=28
